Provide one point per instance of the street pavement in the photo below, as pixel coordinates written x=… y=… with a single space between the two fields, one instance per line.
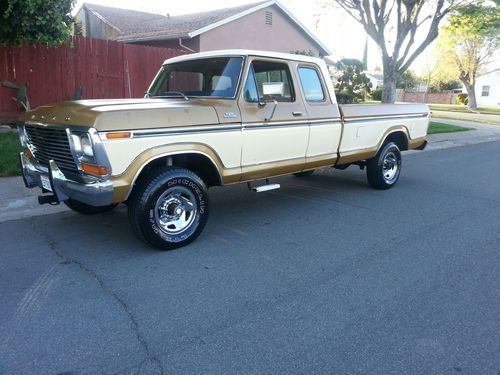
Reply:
x=324 y=275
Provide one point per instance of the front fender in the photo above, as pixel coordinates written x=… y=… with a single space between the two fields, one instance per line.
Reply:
x=124 y=182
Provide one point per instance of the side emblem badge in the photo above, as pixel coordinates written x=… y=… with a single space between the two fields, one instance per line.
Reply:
x=229 y=115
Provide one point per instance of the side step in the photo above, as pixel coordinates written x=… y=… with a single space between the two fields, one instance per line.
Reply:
x=262 y=188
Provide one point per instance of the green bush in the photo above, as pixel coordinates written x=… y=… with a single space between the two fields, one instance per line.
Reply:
x=377 y=93
x=346 y=97
x=462 y=98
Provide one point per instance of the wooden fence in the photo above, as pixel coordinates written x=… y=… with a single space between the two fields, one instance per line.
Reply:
x=86 y=68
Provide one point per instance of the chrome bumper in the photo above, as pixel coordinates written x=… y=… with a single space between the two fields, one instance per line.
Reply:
x=99 y=193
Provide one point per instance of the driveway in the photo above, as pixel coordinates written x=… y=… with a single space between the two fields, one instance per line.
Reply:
x=322 y=276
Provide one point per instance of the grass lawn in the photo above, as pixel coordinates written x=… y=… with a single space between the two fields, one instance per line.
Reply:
x=9 y=154
x=464 y=108
x=439 y=127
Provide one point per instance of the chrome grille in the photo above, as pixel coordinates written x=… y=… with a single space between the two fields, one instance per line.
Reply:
x=51 y=143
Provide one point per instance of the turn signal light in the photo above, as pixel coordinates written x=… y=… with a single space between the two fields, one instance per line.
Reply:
x=28 y=153
x=94 y=169
x=119 y=135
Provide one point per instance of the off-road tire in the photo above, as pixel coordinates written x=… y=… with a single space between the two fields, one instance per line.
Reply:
x=169 y=208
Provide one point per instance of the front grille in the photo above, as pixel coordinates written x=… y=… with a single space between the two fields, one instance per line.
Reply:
x=51 y=143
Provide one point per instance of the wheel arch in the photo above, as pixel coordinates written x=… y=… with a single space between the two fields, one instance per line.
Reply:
x=200 y=159
x=195 y=161
x=397 y=135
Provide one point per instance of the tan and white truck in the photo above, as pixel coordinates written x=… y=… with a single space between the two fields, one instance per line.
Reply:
x=209 y=119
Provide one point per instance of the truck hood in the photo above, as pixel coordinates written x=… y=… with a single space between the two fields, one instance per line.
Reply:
x=125 y=114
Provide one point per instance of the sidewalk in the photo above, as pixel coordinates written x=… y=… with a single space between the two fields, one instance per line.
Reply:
x=482 y=133
x=466 y=116
x=17 y=202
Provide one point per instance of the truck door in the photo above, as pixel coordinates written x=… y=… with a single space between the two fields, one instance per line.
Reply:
x=324 y=117
x=274 y=124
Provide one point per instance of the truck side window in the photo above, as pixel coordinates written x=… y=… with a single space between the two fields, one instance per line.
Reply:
x=311 y=84
x=269 y=81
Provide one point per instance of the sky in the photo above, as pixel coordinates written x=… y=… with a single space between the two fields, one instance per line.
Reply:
x=341 y=34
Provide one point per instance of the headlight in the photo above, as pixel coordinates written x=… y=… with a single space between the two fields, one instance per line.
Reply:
x=23 y=138
x=82 y=145
x=86 y=143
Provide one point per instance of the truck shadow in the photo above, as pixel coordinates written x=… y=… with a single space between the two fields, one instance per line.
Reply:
x=233 y=209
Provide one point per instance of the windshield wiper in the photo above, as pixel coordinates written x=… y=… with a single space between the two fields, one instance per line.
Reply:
x=169 y=94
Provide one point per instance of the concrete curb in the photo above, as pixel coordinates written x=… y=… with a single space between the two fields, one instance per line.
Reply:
x=17 y=202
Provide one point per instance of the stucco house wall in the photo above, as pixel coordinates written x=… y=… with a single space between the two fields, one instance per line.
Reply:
x=252 y=32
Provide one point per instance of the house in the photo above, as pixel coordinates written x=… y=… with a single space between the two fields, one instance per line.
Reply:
x=376 y=78
x=488 y=88
x=266 y=25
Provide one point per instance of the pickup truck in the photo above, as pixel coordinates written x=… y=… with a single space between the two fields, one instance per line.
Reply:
x=209 y=119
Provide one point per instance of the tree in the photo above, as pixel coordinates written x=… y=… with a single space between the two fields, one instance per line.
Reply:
x=35 y=21
x=408 y=80
x=352 y=83
x=393 y=25
x=469 y=41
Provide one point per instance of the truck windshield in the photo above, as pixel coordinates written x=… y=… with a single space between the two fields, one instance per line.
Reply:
x=211 y=77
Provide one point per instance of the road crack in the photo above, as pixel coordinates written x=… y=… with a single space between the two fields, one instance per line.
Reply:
x=54 y=246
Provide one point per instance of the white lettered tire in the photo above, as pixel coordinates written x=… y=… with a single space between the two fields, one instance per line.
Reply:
x=169 y=208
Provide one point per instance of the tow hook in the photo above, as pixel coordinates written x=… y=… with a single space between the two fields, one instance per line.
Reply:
x=50 y=199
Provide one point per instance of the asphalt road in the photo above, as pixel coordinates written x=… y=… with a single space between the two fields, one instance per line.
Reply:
x=322 y=276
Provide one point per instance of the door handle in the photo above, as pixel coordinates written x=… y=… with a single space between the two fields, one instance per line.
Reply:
x=297 y=113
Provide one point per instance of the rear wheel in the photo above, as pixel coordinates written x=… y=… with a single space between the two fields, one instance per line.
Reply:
x=384 y=169
x=87 y=209
x=169 y=209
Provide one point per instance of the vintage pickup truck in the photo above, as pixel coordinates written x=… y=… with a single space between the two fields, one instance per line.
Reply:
x=209 y=119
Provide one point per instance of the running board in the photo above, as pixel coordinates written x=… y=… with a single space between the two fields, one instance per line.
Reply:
x=262 y=188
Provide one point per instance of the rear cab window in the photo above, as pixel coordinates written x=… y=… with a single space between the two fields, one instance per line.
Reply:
x=311 y=84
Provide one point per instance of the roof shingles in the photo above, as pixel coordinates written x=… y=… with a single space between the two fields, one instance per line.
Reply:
x=135 y=25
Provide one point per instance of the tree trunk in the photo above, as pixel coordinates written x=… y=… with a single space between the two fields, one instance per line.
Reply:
x=389 y=89
x=471 y=92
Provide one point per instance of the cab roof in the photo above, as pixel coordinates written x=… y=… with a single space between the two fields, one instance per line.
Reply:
x=244 y=52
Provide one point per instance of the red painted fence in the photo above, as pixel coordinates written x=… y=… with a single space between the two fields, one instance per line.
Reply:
x=104 y=69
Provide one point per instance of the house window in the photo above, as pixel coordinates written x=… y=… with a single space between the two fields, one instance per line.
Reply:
x=485 y=91
x=268 y=81
x=269 y=18
x=311 y=84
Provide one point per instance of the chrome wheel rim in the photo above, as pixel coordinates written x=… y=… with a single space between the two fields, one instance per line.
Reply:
x=175 y=210
x=390 y=167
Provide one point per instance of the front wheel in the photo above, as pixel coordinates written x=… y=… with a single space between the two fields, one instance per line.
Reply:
x=384 y=169
x=169 y=209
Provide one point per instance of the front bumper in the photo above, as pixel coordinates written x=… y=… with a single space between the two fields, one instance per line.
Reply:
x=98 y=193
